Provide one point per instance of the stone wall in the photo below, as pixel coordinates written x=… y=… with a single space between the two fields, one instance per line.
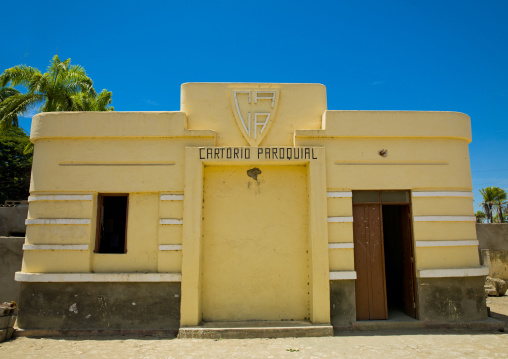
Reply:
x=100 y=306
x=493 y=246
x=12 y=220
x=11 y=254
x=493 y=236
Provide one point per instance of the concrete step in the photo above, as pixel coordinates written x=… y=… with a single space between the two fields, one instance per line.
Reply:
x=255 y=329
x=489 y=324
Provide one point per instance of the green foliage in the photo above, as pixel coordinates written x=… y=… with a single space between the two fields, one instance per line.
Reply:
x=493 y=197
x=64 y=87
x=480 y=216
x=15 y=166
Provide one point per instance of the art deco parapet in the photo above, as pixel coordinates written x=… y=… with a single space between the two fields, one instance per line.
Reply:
x=409 y=124
x=113 y=125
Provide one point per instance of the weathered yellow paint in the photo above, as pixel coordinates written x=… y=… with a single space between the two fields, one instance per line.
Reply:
x=55 y=262
x=340 y=206
x=244 y=250
x=411 y=163
x=141 y=254
x=446 y=257
x=57 y=234
x=341 y=259
x=60 y=209
x=447 y=231
x=171 y=209
x=437 y=206
x=170 y=261
x=340 y=232
x=170 y=233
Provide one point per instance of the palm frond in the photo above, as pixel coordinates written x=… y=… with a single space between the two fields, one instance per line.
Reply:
x=18 y=75
x=17 y=105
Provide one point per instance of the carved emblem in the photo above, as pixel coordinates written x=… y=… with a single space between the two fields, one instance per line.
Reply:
x=254 y=110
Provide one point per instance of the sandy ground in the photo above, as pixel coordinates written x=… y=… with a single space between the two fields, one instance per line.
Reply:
x=422 y=344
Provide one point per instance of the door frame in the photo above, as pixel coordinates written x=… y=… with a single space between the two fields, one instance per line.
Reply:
x=411 y=241
x=319 y=287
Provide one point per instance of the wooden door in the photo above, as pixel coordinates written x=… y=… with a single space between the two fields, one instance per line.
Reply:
x=409 y=297
x=370 y=286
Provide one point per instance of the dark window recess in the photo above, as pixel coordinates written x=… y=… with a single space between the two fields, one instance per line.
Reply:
x=112 y=224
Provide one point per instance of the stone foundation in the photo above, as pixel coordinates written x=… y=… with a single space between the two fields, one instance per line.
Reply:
x=451 y=299
x=99 y=306
x=342 y=302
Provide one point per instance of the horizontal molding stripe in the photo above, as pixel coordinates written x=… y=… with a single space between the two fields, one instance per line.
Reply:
x=391 y=163
x=117 y=163
x=55 y=247
x=444 y=218
x=339 y=194
x=443 y=194
x=453 y=272
x=340 y=219
x=340 y=245
x=446 y=243
x=98 y=277
x=170 y=247
x=57 y=221
x=170 y=221
x=343 y=275
x=61 y=197
x=171 y=197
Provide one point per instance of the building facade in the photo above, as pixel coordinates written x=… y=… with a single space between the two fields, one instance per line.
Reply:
x=252 y=203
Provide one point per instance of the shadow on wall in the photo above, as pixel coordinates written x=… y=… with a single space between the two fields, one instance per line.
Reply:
x=11 y=254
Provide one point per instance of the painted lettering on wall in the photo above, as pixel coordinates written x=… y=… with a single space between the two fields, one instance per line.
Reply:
x=257 y=153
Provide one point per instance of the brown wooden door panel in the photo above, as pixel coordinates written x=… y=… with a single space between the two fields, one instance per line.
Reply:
x=409 y=297
x=361 y=255
x=369 y=262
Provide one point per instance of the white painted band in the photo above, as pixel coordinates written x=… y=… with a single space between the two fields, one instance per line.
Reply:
x=171 y=197
x=340 y=219
x=339 y=194
x=170 y=221
x=340 y=245
x=446 y=243
x=98 y=277
x=57 y=221
x=341 y=275
x=443 y=194
x=55 y=247
x=453 y=272
x=444 y=218
x=61 y=197
x=170 y=247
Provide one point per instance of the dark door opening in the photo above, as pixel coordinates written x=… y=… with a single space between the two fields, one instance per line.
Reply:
x=398 y=260
x=384 y=260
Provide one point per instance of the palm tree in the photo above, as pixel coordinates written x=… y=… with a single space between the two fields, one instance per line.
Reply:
x=52 y=91
x=93 y=102
x=489 y=195
x=499 y=200
x=5 y=93
x=480 y=216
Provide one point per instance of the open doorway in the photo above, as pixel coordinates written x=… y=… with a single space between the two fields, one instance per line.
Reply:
x=399 y=269
x=384 y=260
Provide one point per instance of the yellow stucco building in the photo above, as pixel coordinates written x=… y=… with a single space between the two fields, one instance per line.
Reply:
x=252 y=203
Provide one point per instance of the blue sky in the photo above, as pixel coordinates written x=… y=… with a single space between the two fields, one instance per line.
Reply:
x=372 y=55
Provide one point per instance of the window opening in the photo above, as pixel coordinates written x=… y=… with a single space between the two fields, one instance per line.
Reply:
x=112 y=223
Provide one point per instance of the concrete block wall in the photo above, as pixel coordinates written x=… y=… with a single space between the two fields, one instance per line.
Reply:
x=11 y=254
